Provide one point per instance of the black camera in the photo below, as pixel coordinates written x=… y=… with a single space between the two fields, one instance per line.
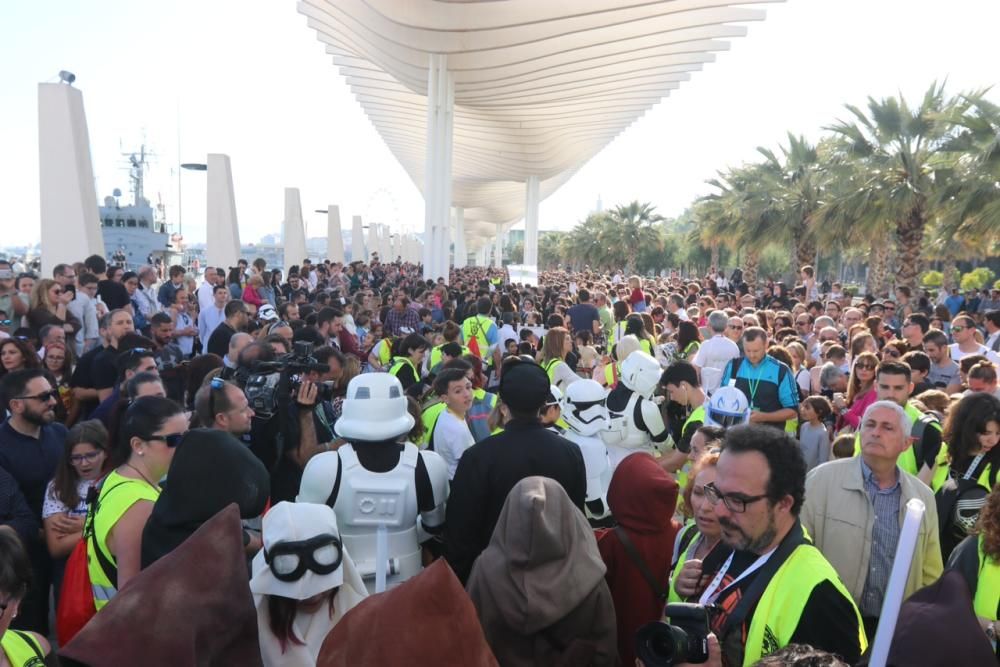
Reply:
x=274 y=381
x=684 y=639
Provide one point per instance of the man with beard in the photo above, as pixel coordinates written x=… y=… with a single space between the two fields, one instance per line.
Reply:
x=776 y=588
x=31 y=443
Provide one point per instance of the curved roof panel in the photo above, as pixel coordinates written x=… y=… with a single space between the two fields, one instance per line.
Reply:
x=540 y=86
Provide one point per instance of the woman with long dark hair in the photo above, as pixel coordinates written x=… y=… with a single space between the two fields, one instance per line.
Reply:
x=688 y=340
x=304 y=581
x=65 y=504
x=17 y=354
x=971 y=431
x=977 y=558
x=151 y=430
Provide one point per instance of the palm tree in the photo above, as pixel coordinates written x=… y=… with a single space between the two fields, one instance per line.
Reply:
x=797 y=182
x=744 y=214
x=631 y=227
x=969 y=203
x=898 y=151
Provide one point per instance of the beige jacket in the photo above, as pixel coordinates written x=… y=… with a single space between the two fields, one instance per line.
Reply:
x=840 y=519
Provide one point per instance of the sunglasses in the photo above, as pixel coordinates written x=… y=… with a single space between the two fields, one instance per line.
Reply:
x=44 y=397
x=737 y=327
x=171 y=439
x=867 y=367
x=958 y=328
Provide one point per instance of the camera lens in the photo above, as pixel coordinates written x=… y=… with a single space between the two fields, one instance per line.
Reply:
x=661 y=645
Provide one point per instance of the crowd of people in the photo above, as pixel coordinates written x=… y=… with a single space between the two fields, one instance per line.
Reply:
x=566 y=468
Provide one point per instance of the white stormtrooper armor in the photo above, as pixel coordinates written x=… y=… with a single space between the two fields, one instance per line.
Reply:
x=585 y=412
x=374 y=507
x=635 y=419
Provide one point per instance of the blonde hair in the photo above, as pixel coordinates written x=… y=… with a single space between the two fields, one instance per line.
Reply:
x=40 y=294
x=555 y=340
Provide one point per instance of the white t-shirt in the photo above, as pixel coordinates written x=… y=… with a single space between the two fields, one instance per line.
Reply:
x=712 y=357
x=451 y=438
x=52 y=505
x=957 y=354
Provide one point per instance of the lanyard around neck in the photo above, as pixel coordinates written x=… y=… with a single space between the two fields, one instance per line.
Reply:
x=712 y=593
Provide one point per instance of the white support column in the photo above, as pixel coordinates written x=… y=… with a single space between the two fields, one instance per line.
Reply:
x=222 y=239
x=386 y=253
x=461 y=256
x=482 y=256
x=498 y=247
x=357 y=240
x=334 y=237
x=437 y=184
x=293 y=235
x=397 y=247
x=71 y=227
x=531 y=201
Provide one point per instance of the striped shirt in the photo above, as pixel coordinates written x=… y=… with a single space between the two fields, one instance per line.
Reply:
x=885 y=536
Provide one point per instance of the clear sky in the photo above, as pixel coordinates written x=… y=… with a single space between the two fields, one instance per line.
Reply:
x=251 y=80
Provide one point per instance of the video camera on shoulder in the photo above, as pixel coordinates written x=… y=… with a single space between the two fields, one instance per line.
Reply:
x=684 y=639
x=275 y=383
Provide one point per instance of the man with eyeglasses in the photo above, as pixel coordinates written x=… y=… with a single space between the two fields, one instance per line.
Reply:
x=775 y=588
x=734 y=329
x=81 y=307
x=860 y=502
x=963 y=332
x=31 y=443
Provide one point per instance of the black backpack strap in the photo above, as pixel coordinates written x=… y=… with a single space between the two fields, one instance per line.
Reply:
x=636 y=558
x=109 y=568
x=30 y=641
x=763 y=577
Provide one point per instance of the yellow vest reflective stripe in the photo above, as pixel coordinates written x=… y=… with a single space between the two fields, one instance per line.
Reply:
x=22 y=649
x=476 y=327
x=383 y=351
x=672 y=595
x=435 y=358
x=550 y=368
x=987 y=585
x=399 y=362
x=118 y=494
x=429 y=418
x=780 y=608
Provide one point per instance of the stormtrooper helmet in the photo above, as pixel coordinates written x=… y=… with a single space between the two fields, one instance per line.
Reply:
x=583 y=407
x=374 y=409
x=641 y=373
x=727 y=407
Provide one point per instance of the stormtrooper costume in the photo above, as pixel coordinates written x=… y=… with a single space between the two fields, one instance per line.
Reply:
x=585 y=412
x=389 y=497
x=636 y=423
x=728 y=406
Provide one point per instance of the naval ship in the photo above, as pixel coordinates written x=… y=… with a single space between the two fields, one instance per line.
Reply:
x=136 y=234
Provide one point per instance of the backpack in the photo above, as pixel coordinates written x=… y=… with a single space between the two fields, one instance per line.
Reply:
x=959 y=502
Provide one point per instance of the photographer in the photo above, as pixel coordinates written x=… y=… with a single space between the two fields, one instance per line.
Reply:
x=776 y=588
x=293 y=414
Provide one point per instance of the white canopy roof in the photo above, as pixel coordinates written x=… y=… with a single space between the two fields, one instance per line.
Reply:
x=540 y=85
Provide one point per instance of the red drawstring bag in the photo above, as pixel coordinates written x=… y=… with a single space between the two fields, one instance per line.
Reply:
x=76 y=598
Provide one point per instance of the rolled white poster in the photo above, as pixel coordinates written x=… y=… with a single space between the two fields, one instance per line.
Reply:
x=897 y=582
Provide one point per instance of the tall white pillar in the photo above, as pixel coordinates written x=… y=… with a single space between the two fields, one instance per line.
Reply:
x=334 y=237
x=386 y=253
x=461 y=255
x=397 y=247
x=222 y=238
x=293 y=230
x=437 y=185
x=357 y=240
x=531 y=201
x=71 y=227
x=498 y=247
x=482 y=256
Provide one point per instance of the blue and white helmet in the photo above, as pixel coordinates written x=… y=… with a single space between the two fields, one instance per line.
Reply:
x=727 y=407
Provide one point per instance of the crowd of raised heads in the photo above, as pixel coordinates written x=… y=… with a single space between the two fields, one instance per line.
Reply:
x=348 y=464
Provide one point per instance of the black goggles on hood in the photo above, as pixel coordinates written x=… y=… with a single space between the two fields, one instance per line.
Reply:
x=290 y=560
